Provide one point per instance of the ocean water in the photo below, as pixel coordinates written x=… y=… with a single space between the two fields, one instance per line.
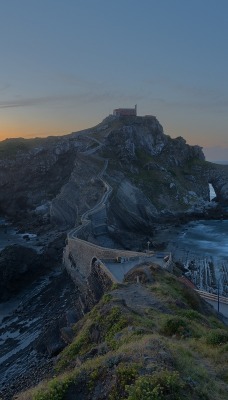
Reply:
x=202 y=247
x=209 y=238
x=9 y=236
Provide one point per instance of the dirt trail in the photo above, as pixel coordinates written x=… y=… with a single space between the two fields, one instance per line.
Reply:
x=139 y=298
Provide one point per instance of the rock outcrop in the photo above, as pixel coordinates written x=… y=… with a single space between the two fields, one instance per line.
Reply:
x=19 y=266
x=53 y=181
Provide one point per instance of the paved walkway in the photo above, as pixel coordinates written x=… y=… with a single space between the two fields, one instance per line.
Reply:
x=120 y=269
x=209 y=297
x=223 y=308
x=213 y=300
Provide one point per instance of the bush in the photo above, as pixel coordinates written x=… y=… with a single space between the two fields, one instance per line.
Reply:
x=217 y=337
x=193 y=315
x=125 y=375
x=176 y=326
x=55 y=391
x=160 y=386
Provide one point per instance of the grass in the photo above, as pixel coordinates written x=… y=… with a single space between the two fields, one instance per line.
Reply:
x=10 y=147
x=217 y=337
x=147 y=354
x=103 y=327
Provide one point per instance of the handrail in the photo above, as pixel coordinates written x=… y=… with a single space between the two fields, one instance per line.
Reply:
x=212 y=296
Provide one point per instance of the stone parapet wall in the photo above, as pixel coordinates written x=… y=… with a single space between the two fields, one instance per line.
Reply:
x=78 y=256
x=85 y=231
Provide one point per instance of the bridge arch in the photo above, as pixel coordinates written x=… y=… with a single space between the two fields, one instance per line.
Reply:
x=93 y=263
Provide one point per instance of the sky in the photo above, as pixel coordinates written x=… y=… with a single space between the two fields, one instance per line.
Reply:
x=66 y=64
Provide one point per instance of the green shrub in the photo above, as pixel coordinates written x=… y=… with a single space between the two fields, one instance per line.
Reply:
x=55 y=391
x=125 y=375
x=106 y=298
x=160 y=386
x=193 y=315
x=217 y=337
x=176 y=326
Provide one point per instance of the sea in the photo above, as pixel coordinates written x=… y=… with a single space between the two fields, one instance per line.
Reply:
x=202 y=247
x=10 y=236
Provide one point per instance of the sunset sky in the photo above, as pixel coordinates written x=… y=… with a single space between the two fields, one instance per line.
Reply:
x=66 y=64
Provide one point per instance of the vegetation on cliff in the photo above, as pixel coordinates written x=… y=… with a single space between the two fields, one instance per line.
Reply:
x=153 y=340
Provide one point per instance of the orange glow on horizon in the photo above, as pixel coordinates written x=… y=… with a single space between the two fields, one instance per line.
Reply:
x=31 y=130
x=28 y=132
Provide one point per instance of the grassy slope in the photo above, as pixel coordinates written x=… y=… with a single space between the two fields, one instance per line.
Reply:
x=155 y=340
x=10 y=147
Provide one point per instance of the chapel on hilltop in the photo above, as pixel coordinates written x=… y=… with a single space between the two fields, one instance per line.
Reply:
x=126 y=112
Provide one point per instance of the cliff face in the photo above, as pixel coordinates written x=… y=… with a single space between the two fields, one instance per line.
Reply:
x=34 y=172
x=153 y=174
x=29 y=178
x=153 y=177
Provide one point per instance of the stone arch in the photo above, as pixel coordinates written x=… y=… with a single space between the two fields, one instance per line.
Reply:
x=217 y=176
x=93 y=263
x=98 y=280
x=212 y=191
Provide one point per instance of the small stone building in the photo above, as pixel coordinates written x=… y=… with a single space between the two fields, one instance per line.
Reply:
x=126 y=112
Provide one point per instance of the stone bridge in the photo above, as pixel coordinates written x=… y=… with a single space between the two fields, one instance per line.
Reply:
x=80 y=256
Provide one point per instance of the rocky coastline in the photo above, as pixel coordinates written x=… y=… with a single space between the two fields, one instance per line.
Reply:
x=38 y=359
x=158 y=184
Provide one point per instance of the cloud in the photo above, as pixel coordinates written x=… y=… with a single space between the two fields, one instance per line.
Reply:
x=33 y=101
x=178 y=94
x=78 y=98
x=216 y=105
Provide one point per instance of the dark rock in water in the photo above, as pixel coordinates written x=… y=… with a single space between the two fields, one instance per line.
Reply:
x=18 y=265
x=21 y=265
x=26 y=237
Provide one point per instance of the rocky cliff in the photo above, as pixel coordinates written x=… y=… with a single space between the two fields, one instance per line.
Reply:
x=154 y=178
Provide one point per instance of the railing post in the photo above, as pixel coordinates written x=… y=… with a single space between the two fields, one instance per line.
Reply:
x=218 y=297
